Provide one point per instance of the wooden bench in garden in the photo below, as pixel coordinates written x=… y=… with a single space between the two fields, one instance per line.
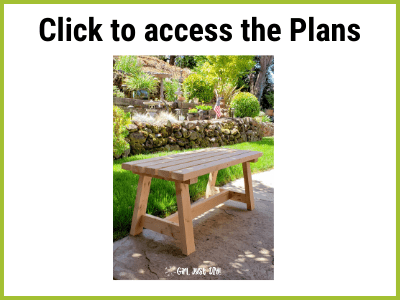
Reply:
x=184 y=169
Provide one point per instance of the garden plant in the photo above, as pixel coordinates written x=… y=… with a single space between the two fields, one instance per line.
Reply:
x=204 y=107
x=245 y=105
x=120 y=131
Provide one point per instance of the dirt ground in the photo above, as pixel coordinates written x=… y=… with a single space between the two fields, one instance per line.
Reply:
x=231 y=243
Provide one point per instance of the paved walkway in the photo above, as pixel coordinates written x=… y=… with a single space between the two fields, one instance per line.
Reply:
x=228 y=238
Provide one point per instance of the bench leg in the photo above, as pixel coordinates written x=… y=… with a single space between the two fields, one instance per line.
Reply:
x=142 y=196
x=185 y=218
x=211 y=190
x=248 y=185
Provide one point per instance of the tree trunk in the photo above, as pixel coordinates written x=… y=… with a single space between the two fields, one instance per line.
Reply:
x=259 y=86
x=172 y=60
x=251 y=81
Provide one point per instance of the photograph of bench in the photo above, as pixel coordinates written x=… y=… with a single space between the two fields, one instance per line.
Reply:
x=184 y=169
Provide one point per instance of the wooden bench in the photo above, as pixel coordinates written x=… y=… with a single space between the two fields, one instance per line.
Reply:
x=184 y=169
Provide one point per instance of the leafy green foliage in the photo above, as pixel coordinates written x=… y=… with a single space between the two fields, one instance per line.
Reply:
x=171 y=86
x=199 y=86
x=204 y=107
x=161 y=57
x=266 y=119
x=200 y=61
x=262 y=119
x=117 y=92
x=120 y=132
x=193 y=111
x=128 y=64
x=142 y=81
x=226 y=91
x=270 y=99
x=186 y=61
x=245 y=105
x=227 y=68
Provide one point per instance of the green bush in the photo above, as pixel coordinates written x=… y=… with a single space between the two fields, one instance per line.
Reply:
x=245 y=105
x=266 y=119
x=204 y=107
x=117 y=92
x=128 y=64
x=171 y=86
x=199 y=86
x=192 y=111
x=142 y=81
x=270 y=99
x=120 y=132
x=263 y=119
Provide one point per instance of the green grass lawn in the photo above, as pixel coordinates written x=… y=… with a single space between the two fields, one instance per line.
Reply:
x=162 y=198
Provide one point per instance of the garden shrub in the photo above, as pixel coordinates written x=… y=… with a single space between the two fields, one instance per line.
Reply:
x=199 y=86
x=120 y=132
x=129 y=64
x=117 y=92
x=263 y=119
x=171 y=86
x=142 y=81
x=204 y=107
x=266 y=119
x=245 y=105
x=227 y=91
x=270 y=99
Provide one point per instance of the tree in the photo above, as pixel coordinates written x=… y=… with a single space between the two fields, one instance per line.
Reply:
x=270 y=99
x=172 y=60
x=260 y=74
x=227 y=69
x=186 y=61
x=268 y=90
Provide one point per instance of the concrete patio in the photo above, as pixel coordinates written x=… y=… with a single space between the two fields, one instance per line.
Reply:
x=232 y=241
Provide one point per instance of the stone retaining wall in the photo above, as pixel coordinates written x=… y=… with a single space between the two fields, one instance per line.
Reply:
x=192 y=134
x=268 y=128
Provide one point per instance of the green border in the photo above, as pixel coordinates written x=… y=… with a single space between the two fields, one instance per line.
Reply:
x=193 y=2
x=2 y=152
x=204 y=2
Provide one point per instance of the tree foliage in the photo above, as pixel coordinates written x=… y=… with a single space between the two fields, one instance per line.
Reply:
x=260 y=75
x=227 y=68
x=270 y=99
x=186 y=61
